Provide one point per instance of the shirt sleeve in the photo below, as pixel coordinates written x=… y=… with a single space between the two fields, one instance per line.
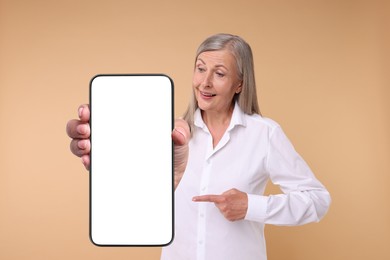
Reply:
x=304 y=198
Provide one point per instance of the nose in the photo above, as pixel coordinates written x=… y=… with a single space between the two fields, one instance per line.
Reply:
x=207 y=80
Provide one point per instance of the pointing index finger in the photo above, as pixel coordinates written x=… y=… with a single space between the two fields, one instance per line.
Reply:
x=209 y=198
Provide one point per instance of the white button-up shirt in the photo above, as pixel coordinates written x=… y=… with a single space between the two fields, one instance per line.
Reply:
x=253 y=150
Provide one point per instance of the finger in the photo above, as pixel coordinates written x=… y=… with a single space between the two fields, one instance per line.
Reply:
x=80 y=147
x=77 y=129
x=86 y=160
x=178 y=137
x=209 y=198
x=181 y=133
x=84 y=113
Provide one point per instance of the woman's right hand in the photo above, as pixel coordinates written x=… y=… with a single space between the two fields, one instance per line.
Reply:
x=79 y=130
x=180 y=136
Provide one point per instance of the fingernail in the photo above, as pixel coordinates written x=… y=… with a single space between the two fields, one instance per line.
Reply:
x=81 y=144
x=81 y=111
x=81 y=129
x=180 y=130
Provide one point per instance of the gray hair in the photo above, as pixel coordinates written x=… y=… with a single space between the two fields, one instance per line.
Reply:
x=247 y=98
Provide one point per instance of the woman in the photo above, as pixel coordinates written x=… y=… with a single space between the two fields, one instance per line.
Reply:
x=226 y=153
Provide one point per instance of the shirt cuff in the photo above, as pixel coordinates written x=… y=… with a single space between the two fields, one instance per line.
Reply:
x=257 y=208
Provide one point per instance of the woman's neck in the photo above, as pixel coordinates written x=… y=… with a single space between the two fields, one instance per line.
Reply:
x=216 y=118
x=217 y=122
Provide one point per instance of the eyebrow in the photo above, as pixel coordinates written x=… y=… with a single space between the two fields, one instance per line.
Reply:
x=218 y=65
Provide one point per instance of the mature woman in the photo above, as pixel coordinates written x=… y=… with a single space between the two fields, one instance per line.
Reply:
x=226 y=152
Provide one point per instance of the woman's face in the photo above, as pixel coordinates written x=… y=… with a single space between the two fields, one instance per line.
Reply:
x=215 y=80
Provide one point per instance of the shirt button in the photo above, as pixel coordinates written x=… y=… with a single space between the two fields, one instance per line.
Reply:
x=204 y=188
x=201 y=215
x=200 y=242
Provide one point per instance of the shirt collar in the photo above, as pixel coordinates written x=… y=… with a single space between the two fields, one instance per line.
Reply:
x=238 y=118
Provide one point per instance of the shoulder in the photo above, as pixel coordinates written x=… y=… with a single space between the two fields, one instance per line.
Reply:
x=258 y=121
x=263 y=127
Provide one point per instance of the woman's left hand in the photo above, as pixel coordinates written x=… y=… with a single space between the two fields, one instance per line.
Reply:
x=233 y=203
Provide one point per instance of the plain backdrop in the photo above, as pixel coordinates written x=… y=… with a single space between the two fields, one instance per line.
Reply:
x=322 y=70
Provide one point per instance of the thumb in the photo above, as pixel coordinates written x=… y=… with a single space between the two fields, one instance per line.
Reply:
x=181 y=133
x=179 y=136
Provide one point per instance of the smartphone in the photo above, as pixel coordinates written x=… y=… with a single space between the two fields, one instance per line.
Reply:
x=131 y=174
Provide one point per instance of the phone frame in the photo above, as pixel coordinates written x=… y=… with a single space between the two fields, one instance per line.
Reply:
x=91 y=170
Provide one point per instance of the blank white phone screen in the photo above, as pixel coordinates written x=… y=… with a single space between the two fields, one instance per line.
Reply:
x=131 y=176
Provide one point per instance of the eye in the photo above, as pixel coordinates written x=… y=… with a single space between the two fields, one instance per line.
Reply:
x=200 y=69
x=220 y=74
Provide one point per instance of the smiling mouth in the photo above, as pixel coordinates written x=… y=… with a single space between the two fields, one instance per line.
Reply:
x=207 y=94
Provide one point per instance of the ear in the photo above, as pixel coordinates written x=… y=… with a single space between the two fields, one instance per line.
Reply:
x=239 y=88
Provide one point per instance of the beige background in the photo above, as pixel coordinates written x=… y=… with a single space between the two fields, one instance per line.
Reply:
x=322 y=73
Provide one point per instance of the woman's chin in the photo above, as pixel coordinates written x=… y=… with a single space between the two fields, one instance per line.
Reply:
x=203 y=106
